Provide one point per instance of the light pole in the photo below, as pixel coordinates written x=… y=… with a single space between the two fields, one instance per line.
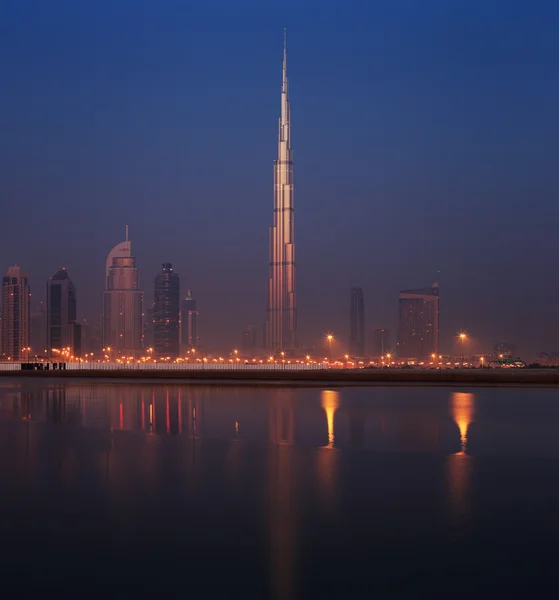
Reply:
x=462 y=336
x=330 y=338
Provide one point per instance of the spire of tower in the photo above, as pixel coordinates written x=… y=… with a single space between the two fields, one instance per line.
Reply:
x=284 y=81
x=126 y=233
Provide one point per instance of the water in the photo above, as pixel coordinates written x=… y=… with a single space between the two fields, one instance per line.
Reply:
x=190 y=491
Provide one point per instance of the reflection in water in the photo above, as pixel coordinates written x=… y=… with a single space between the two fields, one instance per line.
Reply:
x=326 y=461
x=462 y=410
x=330 y=402
x=281 y=500
x=459 y=465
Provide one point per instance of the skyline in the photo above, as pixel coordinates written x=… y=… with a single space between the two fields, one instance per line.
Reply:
x=415 y=201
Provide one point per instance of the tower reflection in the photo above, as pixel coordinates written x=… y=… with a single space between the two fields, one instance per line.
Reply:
x=281 y=494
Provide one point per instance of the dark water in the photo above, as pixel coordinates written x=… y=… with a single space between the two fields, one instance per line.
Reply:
x=136 y=490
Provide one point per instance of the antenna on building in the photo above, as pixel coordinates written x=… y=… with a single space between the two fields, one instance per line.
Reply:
x=126 y=234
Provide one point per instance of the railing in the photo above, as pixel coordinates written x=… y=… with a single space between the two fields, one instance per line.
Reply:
x=148 y=366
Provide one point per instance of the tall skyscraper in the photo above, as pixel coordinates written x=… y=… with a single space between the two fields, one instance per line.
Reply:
x=380 y=342
x=167 y=312
x=281 y=317
x=418 y=327
x=62 y=329
x=16 y=315
x=123 y=303
x=189 y=322
x=357 y=322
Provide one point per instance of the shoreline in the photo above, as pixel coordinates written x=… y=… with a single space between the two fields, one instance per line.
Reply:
x=332 y=377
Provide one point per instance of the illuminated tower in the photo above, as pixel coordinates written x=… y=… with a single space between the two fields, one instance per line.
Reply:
x=281 y=318
x=16 y=316
x=123 y=302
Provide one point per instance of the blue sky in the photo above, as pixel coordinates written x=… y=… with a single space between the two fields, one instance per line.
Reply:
x=425 y=140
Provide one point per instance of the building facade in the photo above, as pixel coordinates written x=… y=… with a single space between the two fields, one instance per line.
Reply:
x=122 y=304
x=189 y=322
x=166 y=312
x=39 y=330
x=357 y=323
x=16 y=315
x=63 y=331
x=418 y=324
x=281 y=315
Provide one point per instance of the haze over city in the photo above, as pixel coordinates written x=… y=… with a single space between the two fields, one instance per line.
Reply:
x=424 y=150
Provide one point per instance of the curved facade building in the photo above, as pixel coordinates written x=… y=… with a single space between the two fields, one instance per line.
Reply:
x=123 y=304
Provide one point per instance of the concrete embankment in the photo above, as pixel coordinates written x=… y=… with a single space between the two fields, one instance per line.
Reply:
x=330 y=377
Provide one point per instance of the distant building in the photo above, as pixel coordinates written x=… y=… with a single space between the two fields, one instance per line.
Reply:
x=91 y=339
x=506 y=349
x=248 y=343
x=189 y=322
x=357 y=322
x=380 y=342
x=63 y=331
x=167 y=312
x=149 y=327
x=39 y=331
x=122 y=303
x=16 y=315
x=418 y=326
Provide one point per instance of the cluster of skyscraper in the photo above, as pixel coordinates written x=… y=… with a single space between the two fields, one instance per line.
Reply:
x=171 y=328
x=56 y=332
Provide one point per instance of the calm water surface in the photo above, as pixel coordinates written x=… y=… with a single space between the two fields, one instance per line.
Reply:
x=189 y=491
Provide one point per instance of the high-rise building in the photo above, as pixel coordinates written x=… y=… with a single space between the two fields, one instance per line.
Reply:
x=167 y=312
x=39 y=331
x=92 y=335
x=149 y=327
x=281 y=316
x=380 y=342
x=418 y=326
x=189 y=322
x=123 y=303
x=357 y=323
x=16 y=315
x=63 y=331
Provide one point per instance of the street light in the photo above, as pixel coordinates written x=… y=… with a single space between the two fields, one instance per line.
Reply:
x=462 y=337
x=330 y=338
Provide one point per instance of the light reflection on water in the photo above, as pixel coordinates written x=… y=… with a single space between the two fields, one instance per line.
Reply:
x=274 y=473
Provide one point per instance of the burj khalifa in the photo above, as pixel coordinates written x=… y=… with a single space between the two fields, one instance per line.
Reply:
x=281 y=319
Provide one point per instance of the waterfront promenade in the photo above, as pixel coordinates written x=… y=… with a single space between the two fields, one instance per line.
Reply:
x=248 y=374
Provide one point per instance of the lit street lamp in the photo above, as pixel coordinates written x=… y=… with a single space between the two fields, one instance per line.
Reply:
x=330 y=338
x=462 y=337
